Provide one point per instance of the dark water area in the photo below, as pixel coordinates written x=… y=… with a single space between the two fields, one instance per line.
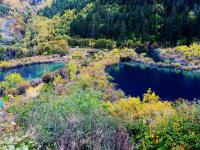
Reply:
x=33 y=71
x=155 y=55
x=135 y=78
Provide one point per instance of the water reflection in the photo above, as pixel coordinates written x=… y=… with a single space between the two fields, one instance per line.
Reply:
x=135 y=78
x=33 y=71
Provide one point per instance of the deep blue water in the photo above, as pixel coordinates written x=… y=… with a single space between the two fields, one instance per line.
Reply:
x=33 y=71
x=134 y=79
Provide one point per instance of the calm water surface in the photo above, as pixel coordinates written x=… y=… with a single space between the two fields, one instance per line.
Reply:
x=135 y=79
x=33 y=71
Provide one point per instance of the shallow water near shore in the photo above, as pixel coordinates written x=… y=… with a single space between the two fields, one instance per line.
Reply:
x=135 y=78
x=33 y=71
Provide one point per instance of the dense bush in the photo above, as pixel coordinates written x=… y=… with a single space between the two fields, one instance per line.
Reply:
x=14 y=84
x=72 y=70
x=9 y=52
x=53 y=47
x=92 y=43
x=45 y=48
x=69 y=122
x=2 y=53
x=14 y=51
x=103 y=43
x=1 y=37
x=81 y=42
x=47 y=78
x=180 y=131
x=3 y=10
x=82 y=120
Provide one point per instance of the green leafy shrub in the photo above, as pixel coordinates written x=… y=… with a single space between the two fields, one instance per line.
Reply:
x=4 y=10
x=180 y=131
x=104 y=43
x=19 y=141
x=2 y=51
x=81 y=42
x=13 y=84
x=99 y=43
x=53 y=47
x=1 y=37
x=72 y=69
x=77 y=119
x=45 y=48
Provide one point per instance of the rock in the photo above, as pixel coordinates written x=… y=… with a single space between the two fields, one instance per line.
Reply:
x=35 y=82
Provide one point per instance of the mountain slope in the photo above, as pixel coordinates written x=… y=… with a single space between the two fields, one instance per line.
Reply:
x=166 y=21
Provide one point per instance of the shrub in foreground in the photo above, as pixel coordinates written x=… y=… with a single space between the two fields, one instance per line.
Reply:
x=73 y=122
x=14 y=84
x=82 y=121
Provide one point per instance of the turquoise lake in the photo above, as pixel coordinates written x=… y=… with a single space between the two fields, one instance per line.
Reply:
x=33 y=71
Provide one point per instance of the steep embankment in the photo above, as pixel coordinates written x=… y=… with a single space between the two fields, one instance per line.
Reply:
x=7 y=33
x=14 y=21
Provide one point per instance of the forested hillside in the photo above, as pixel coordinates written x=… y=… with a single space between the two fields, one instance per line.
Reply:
x=165 y=21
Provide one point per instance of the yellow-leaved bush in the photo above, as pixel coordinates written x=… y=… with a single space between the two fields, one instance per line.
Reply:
x=192 y=50
x=149 y=108
x=72 y=68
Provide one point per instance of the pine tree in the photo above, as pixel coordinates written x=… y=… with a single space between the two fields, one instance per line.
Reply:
x=122 y=34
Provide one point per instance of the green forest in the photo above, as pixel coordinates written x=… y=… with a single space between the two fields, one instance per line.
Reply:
x=163 y=21
x=99 y=74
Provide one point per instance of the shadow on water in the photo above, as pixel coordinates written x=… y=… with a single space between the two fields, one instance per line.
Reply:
x=155 y=55
x=135 y=79
x=33 y=71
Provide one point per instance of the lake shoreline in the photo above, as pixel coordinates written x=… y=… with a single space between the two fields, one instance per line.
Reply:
x=171 y=65
x=13 y=64
x=167 y=66
x=134 y=78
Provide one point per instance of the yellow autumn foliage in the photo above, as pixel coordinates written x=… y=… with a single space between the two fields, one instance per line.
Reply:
x=149 y=109
x=4 y=64
x=150 y=97
x=194 y=49
x=72 y=68
x=183 y=48
x=85 y=80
